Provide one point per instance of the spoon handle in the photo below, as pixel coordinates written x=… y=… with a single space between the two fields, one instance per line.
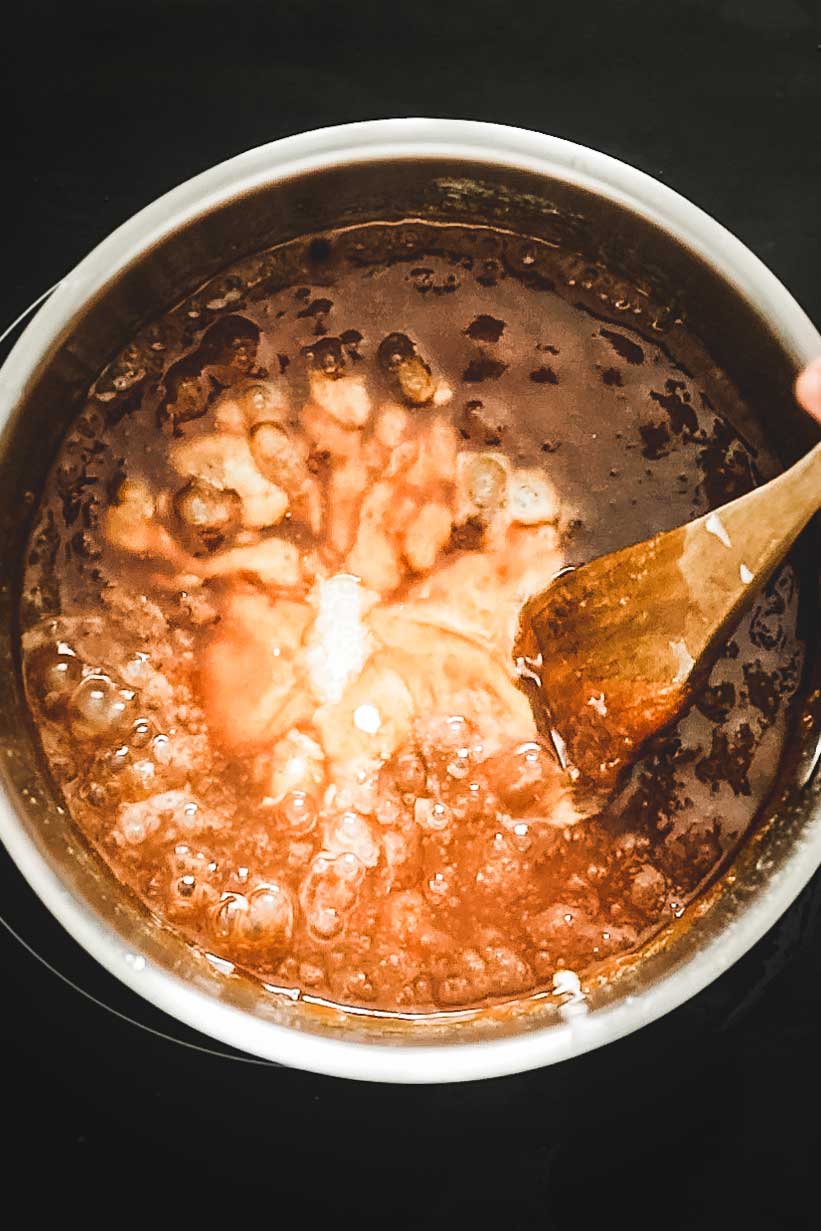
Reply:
x=739 y=545
x=766 y=522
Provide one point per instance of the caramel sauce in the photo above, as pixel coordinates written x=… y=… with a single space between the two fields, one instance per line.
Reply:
x=272 y=597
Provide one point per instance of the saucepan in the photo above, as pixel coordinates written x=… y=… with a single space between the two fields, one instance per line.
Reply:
x=653 y=244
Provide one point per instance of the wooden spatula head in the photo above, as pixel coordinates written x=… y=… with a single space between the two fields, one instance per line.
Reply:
x=612 y=651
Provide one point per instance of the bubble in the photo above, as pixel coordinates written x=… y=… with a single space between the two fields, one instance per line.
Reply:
x=259 y=397
x=521 y=836
x=191 y=873
x=431 y=814
x=299 y=854
x=359 y=793
x=405 y=915
x=98 y=708
x=329 y=892
x=298 y=810
x=468 y=982
x=141 y=733
x=409 y=772
x=207 y=509
x=94 y=794
x=325 y=922
x=135 y=828
x=186 y=886
x=438 y=886
x=421 y=991
x=311 y=974
x=397 y=355
x=136 y=822
x=503 y=872
x=402 y=852
x=531 y=498
x=388 y=811
x=276 y=455
x=144 y=773
x=522 y=777
x=188 y=814
x=486 y=481
x=269 y=919
x=459 y=766
x=226 y=921
x=119 y=759
x=183 y=859
x=137 y=495
x=354 y=986
x=507 y=972
x=649 y=889
x=352 y=833
x=393 y=350
x=57 y=672
x=161 y=749
x=454 y=990
x=326 y=356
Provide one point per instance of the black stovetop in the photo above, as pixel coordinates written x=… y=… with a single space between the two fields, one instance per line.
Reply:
x=704 y=1119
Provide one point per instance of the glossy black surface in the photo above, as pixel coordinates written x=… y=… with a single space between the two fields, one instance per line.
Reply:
x=705 y=1119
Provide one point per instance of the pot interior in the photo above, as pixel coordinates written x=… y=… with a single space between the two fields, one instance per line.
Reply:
x=632 y=267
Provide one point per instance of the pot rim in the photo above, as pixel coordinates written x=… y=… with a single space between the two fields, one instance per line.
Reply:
x=409 y=139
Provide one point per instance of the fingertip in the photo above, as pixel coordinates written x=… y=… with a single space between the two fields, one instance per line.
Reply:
x=808 y=388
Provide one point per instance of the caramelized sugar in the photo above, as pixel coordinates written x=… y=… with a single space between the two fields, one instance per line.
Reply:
x=272 y=594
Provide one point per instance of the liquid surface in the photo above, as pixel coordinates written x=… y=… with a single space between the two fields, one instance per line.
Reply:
x=272 y=596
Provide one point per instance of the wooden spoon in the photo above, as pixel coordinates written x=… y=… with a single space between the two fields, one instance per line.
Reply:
x=611 y=652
